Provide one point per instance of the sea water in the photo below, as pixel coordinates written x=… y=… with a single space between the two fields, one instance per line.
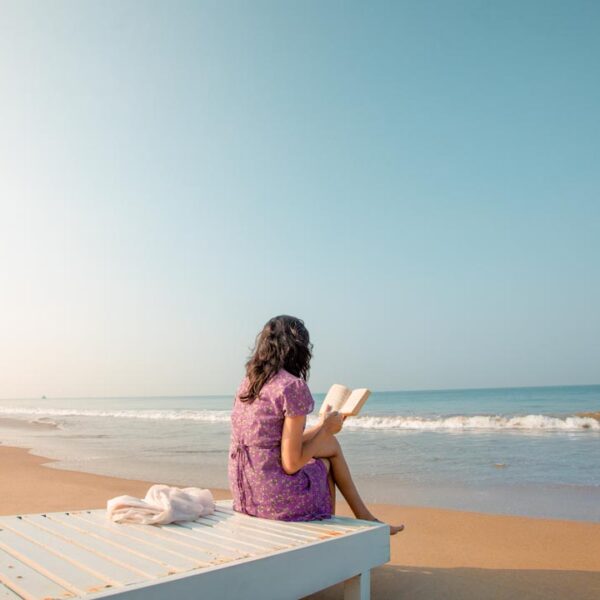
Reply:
x=512 y=450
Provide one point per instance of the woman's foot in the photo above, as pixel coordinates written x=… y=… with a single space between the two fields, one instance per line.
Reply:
x=394 y=529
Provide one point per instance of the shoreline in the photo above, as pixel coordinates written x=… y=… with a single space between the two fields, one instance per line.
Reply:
x=46 y=437
x=442 y=553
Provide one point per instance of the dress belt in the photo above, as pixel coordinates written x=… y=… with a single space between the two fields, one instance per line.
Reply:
x=240 y=451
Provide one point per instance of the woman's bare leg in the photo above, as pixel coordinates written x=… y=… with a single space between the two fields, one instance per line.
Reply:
x=343 y=479
x=332 y=450
x=330 y=482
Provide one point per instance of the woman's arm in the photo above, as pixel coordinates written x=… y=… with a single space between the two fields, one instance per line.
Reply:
x=295 y=450
x=310 y=433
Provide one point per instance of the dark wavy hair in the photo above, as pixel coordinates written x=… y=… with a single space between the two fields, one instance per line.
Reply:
x=283 y=343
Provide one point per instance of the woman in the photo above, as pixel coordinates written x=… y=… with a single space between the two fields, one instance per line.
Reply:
x=277 y=468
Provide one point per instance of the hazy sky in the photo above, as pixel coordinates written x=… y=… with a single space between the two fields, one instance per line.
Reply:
x=419 y=181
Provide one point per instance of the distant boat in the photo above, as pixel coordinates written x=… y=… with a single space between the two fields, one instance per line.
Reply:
x=43 y=397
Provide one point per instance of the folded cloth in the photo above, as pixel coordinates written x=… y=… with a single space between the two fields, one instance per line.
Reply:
x=163 y=504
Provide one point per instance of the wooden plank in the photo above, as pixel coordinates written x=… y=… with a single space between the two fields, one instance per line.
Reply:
x=208 y=545
x=61 y=571
x=297 y=528
x=112 y=552
x=274 y=576
x=147 y=533
x=8 y=594
x=152 y=533
x=258 y=529
x=172 y=560
x=214 y=552
x=241 y=528
x=108 y=570
x=265 y=526
x=202 y=533
x=325 y=524
x=351 y=522
x=27 y=582
x=234 y=536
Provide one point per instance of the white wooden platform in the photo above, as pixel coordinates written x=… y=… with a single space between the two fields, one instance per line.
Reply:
x=226 y=555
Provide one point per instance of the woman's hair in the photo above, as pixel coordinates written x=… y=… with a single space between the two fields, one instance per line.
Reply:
x=283 y=343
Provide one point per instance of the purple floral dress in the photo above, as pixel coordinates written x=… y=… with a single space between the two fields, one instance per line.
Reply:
x=259 y=485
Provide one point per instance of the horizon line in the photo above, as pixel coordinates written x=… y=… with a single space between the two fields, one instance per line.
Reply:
x=404 y=391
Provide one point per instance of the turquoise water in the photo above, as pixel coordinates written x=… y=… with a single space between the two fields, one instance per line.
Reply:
x=519 y=451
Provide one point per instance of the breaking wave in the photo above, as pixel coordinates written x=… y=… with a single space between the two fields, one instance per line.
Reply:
x=211 y=416
x=476 y=422
x=451 y=423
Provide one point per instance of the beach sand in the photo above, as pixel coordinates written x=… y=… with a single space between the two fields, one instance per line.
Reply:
x=445 y=554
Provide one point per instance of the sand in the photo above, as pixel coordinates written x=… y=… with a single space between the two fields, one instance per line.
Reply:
x=32 y=425
x=445 y=554
x=590 y=415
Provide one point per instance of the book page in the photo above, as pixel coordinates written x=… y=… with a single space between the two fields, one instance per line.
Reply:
x=355 y=402
x=336 y=396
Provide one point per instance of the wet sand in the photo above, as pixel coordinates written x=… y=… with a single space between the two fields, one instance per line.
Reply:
x=31 y=425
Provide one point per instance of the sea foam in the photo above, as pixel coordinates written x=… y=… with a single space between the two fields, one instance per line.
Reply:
x=214 y=416
x=397 y=422
x=475 y=422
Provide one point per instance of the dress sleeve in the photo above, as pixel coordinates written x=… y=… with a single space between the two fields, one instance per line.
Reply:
x=297 y=399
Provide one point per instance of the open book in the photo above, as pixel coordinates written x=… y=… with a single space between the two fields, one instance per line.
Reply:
x=346 y=401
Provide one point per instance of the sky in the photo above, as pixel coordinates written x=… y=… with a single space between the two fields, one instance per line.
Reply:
x=419 y=181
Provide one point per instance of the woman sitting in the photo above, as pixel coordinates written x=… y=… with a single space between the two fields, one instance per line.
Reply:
x=277 y=468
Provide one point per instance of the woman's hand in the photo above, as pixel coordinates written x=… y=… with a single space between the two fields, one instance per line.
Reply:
x=332 y=421
x=295 y=451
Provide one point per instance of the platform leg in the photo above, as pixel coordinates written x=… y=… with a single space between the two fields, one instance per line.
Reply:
x=359 y=587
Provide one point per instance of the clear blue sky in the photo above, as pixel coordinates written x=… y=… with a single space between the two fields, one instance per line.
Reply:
x=419 y=181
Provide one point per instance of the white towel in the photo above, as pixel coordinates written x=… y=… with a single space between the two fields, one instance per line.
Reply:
x=163 y=504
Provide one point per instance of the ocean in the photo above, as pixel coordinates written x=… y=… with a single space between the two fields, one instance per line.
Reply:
x=520 y=451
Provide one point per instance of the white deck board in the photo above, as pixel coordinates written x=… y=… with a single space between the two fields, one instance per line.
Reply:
x=26 y=581
x=266 y=537
x=241 y=543
x=233 y=537
x=284 y=534
x=113 y=572
x=62 y=571
x=111 y=552
x=123 y=536
x=214 y=546
x=328 y=526
x=6 y=594
x=225 y=555
x=170 y=562
x=150 y=535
